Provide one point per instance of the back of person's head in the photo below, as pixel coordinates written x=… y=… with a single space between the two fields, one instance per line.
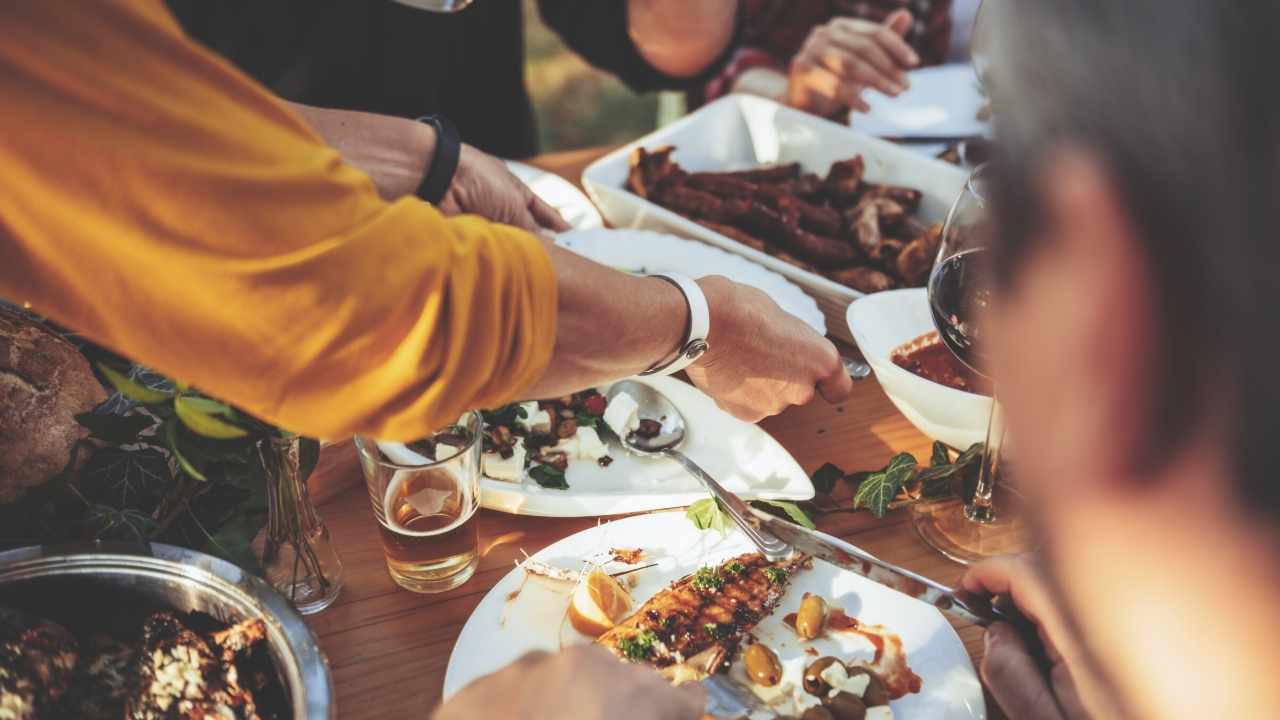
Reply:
x=1174 y=98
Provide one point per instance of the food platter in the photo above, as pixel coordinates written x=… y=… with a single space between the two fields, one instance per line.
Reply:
x=560 y=194
x=744 y=458
x=516 y=617
x=646 y=251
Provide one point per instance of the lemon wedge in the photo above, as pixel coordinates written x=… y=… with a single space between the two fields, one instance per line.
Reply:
x=598 y=603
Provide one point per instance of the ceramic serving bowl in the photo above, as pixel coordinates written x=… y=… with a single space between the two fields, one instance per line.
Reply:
x=884 y=321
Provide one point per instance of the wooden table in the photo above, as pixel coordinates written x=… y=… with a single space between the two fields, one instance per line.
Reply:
x=389 y=647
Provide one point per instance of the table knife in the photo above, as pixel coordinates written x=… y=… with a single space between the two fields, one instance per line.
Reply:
x=956 y=603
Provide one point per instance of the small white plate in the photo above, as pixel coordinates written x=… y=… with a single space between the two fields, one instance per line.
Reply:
x=744 y=458
x=643 y=251
x=560 y=194
x=881 y=323
x=942 y=101
x=503 y=628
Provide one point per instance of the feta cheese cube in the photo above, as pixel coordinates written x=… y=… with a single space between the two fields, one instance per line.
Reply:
x=879 y=712
x=622 y=414
x=588 y=444
x=536 y=419
x=838 y=678
x=510 y=469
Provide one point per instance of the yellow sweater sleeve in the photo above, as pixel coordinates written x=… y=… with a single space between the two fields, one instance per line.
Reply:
x=164 y=205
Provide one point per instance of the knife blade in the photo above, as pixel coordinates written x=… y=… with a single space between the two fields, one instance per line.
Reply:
x=728 y=700
x=957 y=603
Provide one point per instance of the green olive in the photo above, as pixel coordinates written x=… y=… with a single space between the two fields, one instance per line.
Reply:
x=847 y=706
x=817 y=713
x=812 y=680
x=763 y=666
x=812 y=617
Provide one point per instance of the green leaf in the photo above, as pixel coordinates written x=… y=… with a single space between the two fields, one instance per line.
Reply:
x=126 y=479
x=707 y=515
x=505 y=415
x=826 y=477
x=200 y=415
x=548 y=477
x=115 y=429
x=107 y=523
x=792 y=510
x=172 y=442
x=879 y=488
x=941 y=455
x=132 y=389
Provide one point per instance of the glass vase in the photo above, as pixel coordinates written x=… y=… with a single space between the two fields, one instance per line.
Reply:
x=298 y=557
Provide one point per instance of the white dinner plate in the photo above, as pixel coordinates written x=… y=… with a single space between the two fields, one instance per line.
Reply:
x=643 y=251
x=507 y=624
x=744 y=458
x=942 y=101
x=560 y=194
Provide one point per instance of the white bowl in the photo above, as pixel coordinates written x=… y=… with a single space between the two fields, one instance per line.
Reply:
x=884 y=321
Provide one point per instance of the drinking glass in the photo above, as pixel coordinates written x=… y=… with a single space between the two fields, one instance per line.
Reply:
x=989 y=523
x=440 y=6
x=425 y=496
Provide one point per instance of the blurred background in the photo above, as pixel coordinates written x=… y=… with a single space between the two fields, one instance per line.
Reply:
x=577 y=105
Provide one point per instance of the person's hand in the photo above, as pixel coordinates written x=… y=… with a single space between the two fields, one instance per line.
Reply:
x=762 y=359
x=484 y=186
x=583 y=682
x=1039 y=677
x=844 y=57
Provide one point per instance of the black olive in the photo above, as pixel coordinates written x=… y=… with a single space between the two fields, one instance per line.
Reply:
x=817 y=713
x=847 y=706
x=812 y=681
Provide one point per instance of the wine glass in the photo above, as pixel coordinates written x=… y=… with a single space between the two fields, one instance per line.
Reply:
x=960 y=297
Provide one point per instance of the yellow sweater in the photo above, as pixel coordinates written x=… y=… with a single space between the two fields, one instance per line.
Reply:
x=167 y=207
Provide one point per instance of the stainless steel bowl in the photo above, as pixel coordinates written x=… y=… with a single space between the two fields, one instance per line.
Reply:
x=109 y=583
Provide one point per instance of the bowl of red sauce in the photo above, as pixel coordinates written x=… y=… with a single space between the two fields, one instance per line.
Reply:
x=942 y=397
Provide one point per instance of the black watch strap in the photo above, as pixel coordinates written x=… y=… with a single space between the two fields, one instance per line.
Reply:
x=439 y=176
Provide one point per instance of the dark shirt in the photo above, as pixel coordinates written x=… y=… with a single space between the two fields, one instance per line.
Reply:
x=383 y=57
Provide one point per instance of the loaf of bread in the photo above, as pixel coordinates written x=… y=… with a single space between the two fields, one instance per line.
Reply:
x=44 y=383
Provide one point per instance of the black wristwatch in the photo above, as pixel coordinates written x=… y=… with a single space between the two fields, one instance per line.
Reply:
x=437 y=179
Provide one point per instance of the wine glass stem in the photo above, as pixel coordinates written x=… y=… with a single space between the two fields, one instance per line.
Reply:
x=981 y=509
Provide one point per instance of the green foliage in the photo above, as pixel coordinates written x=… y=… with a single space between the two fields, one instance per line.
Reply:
x=707 y=579
x=208 y=418
x=506 y=415
x=775 y=575
x=131 y=388
x=707 y=514
x=790 y=509
x=826 y=477
x=116 y=429
x=879 y=488
x=638 y=646
x=549 y=477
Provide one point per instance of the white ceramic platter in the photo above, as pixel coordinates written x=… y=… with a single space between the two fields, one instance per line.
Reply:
x=560 y=194
x=738 y=132
x=642 y=251
x=744 y=458
x=942 y=101
x=884 y=321
x=503 y=628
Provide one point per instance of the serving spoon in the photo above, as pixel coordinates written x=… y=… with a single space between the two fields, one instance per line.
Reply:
x=653 y=405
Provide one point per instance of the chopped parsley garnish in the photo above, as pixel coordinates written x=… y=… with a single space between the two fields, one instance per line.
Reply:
x=735 y=568
x=707 y=580
x=638 y=646
x=775 y=575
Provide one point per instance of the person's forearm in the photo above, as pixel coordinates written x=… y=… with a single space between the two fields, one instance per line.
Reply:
x=609 y=325
x=678 y=37
x=394 y=152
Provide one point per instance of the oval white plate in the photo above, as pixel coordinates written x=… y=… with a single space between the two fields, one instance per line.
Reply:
x=744 y=458
x=641 y=251
x=942 y=101
x=884 y=321
x=501 y=630
x=560 y=194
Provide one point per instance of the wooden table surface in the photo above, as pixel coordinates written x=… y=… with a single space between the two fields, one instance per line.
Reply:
x=389 y=648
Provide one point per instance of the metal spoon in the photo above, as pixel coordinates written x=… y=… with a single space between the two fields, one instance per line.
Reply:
x=857 y=370
x=653 y=405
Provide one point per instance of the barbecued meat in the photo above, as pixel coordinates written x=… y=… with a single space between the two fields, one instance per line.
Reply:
x=180 y=676
x=37 y=658
x=101 y=681
x=704 y=615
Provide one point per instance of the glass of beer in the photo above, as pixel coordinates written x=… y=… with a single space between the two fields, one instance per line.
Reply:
x=425 y=496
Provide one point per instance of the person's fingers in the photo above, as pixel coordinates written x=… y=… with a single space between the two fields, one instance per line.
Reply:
x=833 y=89
x=855 y=67
x=897 y=46
x=899 y=22
x=1012 y=674
x=1016 y=578
x=547 y=216
x=836 y=386
x=1066 y=691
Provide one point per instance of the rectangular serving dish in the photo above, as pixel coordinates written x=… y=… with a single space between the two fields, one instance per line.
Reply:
x=739 y=132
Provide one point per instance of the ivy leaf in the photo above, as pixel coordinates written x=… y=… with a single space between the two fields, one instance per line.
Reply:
x=548 y=477
x=107 y=523
x=707 y=515
x=170 y=430
x=505 y=415
x=126 y=479
x=132 y=389
x=792 y=510
x=879 y=488
x=826 y=477
x=115 y=429
x=201 y=416
x=941 y=456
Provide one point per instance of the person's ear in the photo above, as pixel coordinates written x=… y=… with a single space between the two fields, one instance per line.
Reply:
x=1083 y=332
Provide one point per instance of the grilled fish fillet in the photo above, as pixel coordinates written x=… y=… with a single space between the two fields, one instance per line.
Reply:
x=694 y=626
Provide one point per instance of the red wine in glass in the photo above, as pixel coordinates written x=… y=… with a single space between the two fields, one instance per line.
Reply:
x=959 y=297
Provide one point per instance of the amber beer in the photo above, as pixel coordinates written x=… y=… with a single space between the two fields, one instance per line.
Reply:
x=426 y=512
